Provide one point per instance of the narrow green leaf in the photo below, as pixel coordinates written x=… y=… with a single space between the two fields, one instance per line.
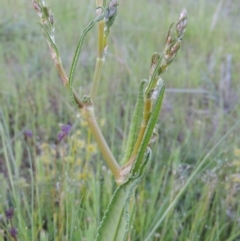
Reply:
x=159 y=92
x=115 y=223
x=78 y=50
x=135 y=123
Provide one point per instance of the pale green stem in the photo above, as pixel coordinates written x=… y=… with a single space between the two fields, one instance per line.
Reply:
x=100 y=58
x=88 y=113
x=96 y=78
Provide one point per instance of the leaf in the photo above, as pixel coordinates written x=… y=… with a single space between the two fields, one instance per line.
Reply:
x=115 y=223
x=135 y=123
x=159 y=92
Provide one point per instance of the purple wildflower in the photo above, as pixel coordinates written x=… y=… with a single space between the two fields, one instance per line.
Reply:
x=65 y=129
x=9 y=213
x=28 y=133
x=13 y=232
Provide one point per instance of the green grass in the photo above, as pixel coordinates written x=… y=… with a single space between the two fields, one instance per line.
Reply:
x=62 y=190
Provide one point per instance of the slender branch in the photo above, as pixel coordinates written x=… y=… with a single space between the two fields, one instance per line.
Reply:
x=100 y=59
x=96 y=78
x=88 y=113
x=58 y=63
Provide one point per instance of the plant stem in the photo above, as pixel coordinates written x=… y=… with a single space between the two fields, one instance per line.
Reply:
x=101 y=57
x=101 y=38
x=99 y=3
x=58 y=63
x=96 y=78
x=88 y=113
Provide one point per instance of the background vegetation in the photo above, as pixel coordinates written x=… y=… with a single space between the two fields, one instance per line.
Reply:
x=59 y=190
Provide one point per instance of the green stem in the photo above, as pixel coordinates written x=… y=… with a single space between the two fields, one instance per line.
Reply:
x=101 y=39
x=96 y=78
x=58 y=63
x=88 y=113
x=100 y=58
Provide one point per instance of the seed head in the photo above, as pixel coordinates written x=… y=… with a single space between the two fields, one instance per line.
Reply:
x=182 y=23
x=36 y=6
x=111 y=13
x=13 y=232
x=9 y=213
x=28 y=133
x=65 y=129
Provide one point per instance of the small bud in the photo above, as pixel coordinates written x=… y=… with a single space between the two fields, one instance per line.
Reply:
x=170 y=39
x=113 y=3
x=175 y=48
x=154 y=61
x=182 y=23
x=111 y=12
x=36 y=6
x=155 y=58
x=51 y=19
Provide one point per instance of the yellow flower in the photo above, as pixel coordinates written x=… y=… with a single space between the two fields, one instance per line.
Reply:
x=91 y=148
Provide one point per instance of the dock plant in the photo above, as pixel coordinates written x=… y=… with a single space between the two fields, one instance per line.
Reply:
x=130 y=170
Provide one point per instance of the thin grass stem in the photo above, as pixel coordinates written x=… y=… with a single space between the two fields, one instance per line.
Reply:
x=96 y=78
x=190 y=179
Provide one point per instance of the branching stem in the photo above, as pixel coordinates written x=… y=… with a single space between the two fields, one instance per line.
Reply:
x=88 y=113
x=96 y=78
